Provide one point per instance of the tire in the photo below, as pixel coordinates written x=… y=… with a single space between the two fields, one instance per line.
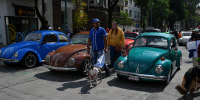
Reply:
x=169 y=76
x=119 y=76
x=83 y=70
x=30 y=60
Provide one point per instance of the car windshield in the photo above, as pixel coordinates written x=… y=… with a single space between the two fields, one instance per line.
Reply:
x=130 y=35
x=186 y=34
x=151 y=41
x=33 y=37
x=80 y=39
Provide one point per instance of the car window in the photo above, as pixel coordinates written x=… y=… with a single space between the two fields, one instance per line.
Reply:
x=80 y=39
x=151 y=41
x=130 y=35
x=50 y=39
x=33 y=37
x=186 y=34
x=62 y=38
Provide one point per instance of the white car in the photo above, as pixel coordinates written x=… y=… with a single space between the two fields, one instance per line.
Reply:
x=186 y=35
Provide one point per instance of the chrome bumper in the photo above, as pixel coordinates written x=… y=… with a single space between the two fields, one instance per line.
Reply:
x=143 y=76
x=60 y=68
x=9 y=60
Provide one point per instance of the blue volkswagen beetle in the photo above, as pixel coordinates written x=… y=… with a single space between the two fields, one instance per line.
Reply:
x=34 y=48
x=153 y=57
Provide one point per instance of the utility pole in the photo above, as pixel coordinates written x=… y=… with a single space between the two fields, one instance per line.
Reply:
x=65 y=15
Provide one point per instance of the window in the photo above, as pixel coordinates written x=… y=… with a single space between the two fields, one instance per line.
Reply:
x=134 y=14
x=62 y=38
x=138 y=15
x=50 y=39
x=130 y=13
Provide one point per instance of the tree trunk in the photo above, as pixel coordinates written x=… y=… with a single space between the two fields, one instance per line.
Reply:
x=43 y=21
x=110 y=19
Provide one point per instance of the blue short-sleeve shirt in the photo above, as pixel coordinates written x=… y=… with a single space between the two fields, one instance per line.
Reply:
x=97 y=38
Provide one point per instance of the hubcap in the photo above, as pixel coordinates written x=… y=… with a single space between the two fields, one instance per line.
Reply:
x=30 y=61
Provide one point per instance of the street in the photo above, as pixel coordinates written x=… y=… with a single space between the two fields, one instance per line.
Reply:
x=39 y=83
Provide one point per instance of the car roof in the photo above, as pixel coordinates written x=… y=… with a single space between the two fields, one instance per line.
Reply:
x=46 y=32
x=83 y=32
x=158 y=34
x=186 y=32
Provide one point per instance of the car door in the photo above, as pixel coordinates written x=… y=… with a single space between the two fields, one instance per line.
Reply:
x=63 y=40
x=173 y=51
x=49 y=43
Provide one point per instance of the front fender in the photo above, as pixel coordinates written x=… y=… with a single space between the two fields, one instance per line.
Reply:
x=24 y=51
x=121 y=58
x=80 y=57
x=166 y=67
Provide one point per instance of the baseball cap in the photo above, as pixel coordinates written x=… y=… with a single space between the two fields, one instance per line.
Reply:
x=95 y=20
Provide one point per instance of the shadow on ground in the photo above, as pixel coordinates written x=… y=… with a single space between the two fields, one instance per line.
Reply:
x=59 y=76
x=146 y=86
x=190 y=96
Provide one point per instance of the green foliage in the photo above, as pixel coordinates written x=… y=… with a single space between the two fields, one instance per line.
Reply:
x=80 y=18
x=124 y=18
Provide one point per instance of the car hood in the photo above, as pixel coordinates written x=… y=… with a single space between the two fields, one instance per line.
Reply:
x=128 y=41
x=186 y=37
x=62 y=54
x=10 y=49
x=142 y=59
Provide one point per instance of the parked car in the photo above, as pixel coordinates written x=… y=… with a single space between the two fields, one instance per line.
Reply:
x=152 y=57
x=129 y=39
x=73 y=57
x=34 y=48
x=186 y=35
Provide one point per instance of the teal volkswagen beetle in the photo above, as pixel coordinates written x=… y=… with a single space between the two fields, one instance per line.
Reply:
x=153 y=57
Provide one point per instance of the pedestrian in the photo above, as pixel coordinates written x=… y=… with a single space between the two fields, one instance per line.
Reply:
x=50 y=28
x=98 y=40
x=59 y=29
x=68 y=33
x=107 y=30
x=116 y=42
x=179 y=34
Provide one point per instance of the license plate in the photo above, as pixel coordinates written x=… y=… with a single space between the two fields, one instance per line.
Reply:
x=135 y=78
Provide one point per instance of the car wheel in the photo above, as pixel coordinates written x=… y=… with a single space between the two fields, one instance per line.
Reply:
x=119 y=76
x=30 y=60
x=86 y=64
x=169 y=76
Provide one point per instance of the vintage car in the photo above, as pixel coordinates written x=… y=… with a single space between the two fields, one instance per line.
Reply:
x=186 y=35
x=73 y=57
x=129 y=39
x=154 y=56
x=34 y=48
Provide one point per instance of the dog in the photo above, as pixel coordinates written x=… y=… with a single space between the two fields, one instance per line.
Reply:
x=93 y=74
x=190 y=82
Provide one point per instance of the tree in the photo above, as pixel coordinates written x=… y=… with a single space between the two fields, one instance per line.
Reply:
x=111 y=6
x=179 y=12
x=143 y=4
x=124 y=19
x=80 y=18
x=42 y=18
x=158 y=16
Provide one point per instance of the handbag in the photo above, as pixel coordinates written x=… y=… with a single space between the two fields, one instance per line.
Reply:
x=191 y=45
x=118 y=48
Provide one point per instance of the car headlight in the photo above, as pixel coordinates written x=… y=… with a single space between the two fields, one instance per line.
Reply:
x=0 y=52
x=47 y=58
x=159 y=69
x=120 y=64
x=71 y=61
x=16 y=54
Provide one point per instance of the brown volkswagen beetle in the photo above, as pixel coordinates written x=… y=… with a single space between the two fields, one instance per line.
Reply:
x=73 y=57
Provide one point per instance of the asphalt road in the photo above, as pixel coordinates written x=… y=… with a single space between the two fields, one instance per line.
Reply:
x=17 y=83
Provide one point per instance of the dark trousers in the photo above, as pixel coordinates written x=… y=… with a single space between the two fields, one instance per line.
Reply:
x=113 y=55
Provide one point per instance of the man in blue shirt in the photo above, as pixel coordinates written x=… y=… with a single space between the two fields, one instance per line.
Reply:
x=98 y=40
